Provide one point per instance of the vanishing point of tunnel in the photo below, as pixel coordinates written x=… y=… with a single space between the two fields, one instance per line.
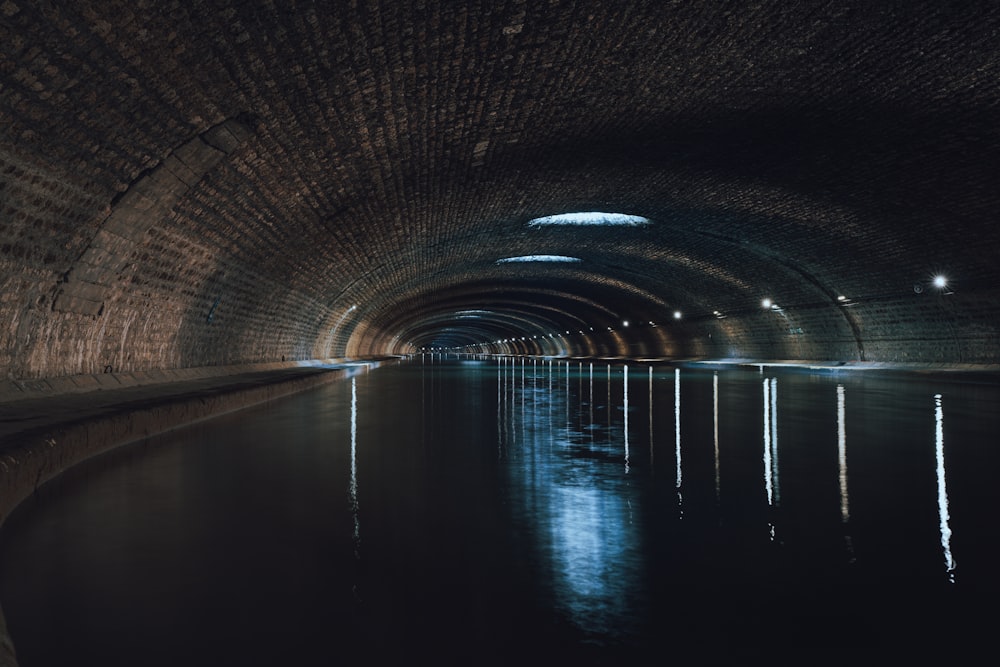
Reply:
x=254 y=194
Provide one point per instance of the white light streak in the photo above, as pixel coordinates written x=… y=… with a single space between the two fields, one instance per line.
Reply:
x=767 y=442
x=677 y=427
x=354 y=468
x=625 y=383
x=943 y=516
x=590 y=218
x=715 y=419
x=538 y=258
x=845 y=513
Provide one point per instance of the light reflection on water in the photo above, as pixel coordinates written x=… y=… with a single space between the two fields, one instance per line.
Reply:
x=573 y=495
x=515 y=502
x=949 y=561
x=586 y=520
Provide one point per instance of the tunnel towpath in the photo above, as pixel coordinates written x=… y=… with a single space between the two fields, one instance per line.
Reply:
x=46 y=427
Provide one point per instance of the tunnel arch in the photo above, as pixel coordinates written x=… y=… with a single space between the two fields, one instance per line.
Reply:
x=244 y=185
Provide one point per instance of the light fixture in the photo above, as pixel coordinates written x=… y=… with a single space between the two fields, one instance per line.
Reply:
x=590 y=218
x=538 y=258
x=625 y=323
x=766 y=303
x=677 y=314
x=940 y=282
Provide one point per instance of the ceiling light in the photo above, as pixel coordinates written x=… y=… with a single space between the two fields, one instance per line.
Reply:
x=539 y=258
x=590 y=218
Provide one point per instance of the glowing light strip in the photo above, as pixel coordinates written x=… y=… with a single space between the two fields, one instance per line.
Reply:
x=625 y=382
x=651 y=418
x=590 y=218
x=715 y=419
x=845 y=512
x=677 y=424
x=767 y=442
x=949 y=561
x=354 y=467
x=774 y=440
x=539 y=258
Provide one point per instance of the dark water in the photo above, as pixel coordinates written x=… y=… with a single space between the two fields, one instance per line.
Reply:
x=498 y=513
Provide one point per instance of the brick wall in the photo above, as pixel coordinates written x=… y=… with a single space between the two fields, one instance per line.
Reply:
x=219 y=182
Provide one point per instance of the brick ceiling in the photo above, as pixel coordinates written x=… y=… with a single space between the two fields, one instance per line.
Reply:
x=206 y=182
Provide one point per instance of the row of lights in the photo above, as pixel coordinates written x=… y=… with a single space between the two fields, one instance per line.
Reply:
x=939 y=281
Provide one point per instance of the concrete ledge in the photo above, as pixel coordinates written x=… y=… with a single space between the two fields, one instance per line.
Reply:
x=17 y=389
x=58 y=425
x=43 y=447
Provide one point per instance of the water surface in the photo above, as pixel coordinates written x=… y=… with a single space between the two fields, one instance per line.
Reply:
x=527 y=510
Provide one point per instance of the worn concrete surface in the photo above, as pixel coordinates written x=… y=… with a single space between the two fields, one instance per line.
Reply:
x=46 y=429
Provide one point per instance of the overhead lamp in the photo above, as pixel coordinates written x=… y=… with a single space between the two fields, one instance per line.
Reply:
x=677 y=314
x=538 y=258
x=590 y=218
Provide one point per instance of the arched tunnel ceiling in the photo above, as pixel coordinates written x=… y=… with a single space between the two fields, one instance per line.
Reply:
x=190 y=183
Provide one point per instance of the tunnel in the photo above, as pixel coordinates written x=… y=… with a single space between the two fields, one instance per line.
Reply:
x=222 y=202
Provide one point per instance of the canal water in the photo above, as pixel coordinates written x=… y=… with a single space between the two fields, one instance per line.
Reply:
x=509 y=511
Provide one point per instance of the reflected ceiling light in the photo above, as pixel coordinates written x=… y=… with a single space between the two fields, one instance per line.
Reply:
x=590 y=218
x=539 y=258
x=841 y=298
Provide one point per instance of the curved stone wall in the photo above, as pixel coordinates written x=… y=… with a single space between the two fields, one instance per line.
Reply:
x=220 y=182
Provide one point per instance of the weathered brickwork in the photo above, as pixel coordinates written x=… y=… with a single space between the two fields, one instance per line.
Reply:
x=214 y=182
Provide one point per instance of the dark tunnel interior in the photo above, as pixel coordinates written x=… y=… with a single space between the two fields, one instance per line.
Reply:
x=212 y=183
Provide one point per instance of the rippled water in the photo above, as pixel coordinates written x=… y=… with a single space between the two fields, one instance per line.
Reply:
x=491 y=512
